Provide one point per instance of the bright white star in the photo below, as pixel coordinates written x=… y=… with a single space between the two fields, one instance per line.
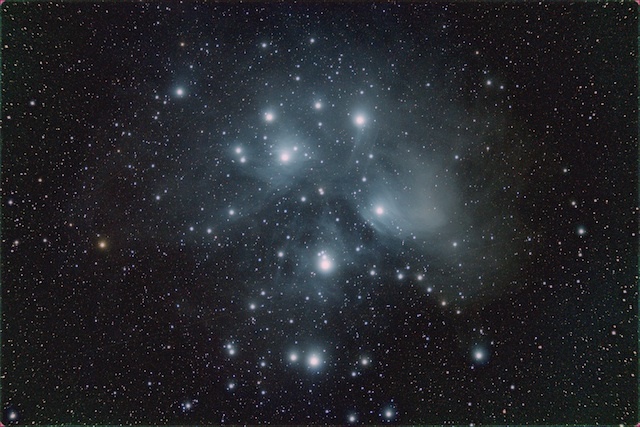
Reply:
x=325 y=263
x=480 y=354
x=314 y=361
x=389 y=413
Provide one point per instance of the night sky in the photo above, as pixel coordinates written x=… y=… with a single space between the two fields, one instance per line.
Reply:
x=319 y=214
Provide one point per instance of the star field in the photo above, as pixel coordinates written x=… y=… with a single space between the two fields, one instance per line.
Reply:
x=358 y=213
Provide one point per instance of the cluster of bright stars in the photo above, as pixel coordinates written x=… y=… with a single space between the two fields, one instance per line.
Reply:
x=325 y=264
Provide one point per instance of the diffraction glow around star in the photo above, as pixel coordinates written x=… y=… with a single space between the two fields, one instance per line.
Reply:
x=388 y=413
x=325 y=262
x=314 y=361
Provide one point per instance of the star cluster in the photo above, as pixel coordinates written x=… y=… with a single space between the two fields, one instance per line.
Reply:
x=335 y=214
